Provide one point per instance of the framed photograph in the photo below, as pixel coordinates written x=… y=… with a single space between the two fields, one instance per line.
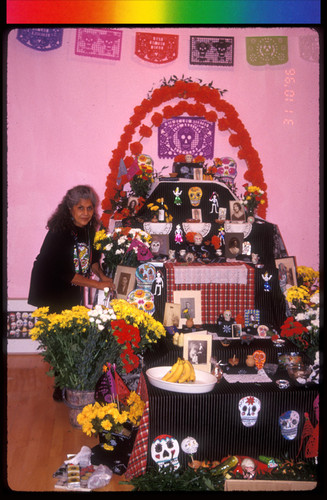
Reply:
x=172 y=314
x=237 y=211
x=124 y=280
x=197 y=349
x=132 y=203
x=222 y=213
x=198 y=174
x=197 y=214
x=233 y=245
x=236 y=330
x=251 y=317
x=286 y=272
x=189 y=300
x=185 y=170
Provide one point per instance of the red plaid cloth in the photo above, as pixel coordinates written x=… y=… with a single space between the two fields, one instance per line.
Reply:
x=215 y=298
x=138 y=459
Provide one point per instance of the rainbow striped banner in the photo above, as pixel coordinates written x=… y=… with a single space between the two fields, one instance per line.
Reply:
x=164 y=11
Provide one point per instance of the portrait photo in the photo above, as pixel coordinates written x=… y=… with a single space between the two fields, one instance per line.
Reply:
x=286 y=272
x=233 y=245
x=197 y=214
x=197 y=349
x=189 y=300
x=124 y=281
x=172 y=314
x=237 y=211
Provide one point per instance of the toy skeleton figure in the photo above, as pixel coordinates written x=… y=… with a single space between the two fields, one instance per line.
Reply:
x=214 y=201
x=159 y=284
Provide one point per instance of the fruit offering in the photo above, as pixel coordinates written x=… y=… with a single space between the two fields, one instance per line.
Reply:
x=182 y=371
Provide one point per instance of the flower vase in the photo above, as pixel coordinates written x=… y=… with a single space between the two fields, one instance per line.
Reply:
x=189 y=322
x=116 y=459
x=76 y=400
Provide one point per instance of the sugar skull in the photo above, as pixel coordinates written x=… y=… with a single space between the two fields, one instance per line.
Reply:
x=227 y=171
x=144 y=160
x=249 y=408
x=165 y=451
x=259 y=358
x=288 y=423
x=195 y=195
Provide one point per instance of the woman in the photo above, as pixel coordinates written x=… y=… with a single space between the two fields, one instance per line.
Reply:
x=67 y=257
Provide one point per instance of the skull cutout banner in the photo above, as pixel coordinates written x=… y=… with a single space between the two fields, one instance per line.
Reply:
x=99 y=42
x=212 y=50
x=186 y=135
x=165 y=451
x=249 y=408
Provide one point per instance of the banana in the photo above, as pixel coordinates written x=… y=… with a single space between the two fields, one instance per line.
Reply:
x=192 y=376
x=178 y=372
x=172 y=370
x=185 y=373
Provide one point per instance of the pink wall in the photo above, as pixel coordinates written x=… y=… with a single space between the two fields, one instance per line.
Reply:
x=67 y=112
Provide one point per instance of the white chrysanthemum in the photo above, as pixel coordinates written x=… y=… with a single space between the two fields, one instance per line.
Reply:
x=108 y=247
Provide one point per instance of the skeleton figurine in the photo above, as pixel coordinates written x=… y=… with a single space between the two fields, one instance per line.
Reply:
x=159 y=283
x=214 y=202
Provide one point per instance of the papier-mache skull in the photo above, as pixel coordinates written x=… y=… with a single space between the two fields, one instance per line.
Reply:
x=259 y=359
x=227 y=171
x=288 y=423
x=249 y=408
x=165 y=451
x=195 y=195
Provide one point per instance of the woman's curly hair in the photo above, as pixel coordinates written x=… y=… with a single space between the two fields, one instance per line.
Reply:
x=61 y=219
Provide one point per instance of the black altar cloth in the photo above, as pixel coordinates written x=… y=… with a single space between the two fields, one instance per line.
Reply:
x=213 y=418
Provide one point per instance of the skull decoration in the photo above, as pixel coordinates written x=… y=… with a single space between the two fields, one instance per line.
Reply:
x=227 y=315
x=227 y=171
x=259 y=358
x=248 y=468
x=288 y=423
x=185 y=136
x=249 y=408
x=165 y=451
x=195 y=195
x=143 y=160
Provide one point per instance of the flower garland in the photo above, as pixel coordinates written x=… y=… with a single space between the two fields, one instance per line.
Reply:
x=203 y=95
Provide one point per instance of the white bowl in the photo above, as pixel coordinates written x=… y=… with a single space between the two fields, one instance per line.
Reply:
x=204 y=381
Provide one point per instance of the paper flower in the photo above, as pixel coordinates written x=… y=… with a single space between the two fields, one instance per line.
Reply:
x=189 y=445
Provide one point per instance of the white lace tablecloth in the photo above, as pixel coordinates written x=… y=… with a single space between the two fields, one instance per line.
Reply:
x=247 y=378
x=209 y=274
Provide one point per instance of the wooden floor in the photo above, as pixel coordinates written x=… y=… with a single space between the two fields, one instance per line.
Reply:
x=39 y=434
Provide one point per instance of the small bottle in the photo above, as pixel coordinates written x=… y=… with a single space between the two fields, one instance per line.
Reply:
x=161 y=212
x=175 y=338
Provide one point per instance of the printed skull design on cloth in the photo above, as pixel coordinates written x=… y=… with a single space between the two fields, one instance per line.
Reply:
x=195 y=195
x=249 y=408
x=288 y=423
x=165 y=451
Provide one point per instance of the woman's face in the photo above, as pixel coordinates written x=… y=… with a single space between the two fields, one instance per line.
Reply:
x=82 y=212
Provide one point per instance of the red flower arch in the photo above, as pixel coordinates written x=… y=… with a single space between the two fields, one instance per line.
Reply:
x=204 y=96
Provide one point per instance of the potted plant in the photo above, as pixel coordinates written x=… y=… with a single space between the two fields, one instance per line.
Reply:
x=116 y=426
x=78 y=342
